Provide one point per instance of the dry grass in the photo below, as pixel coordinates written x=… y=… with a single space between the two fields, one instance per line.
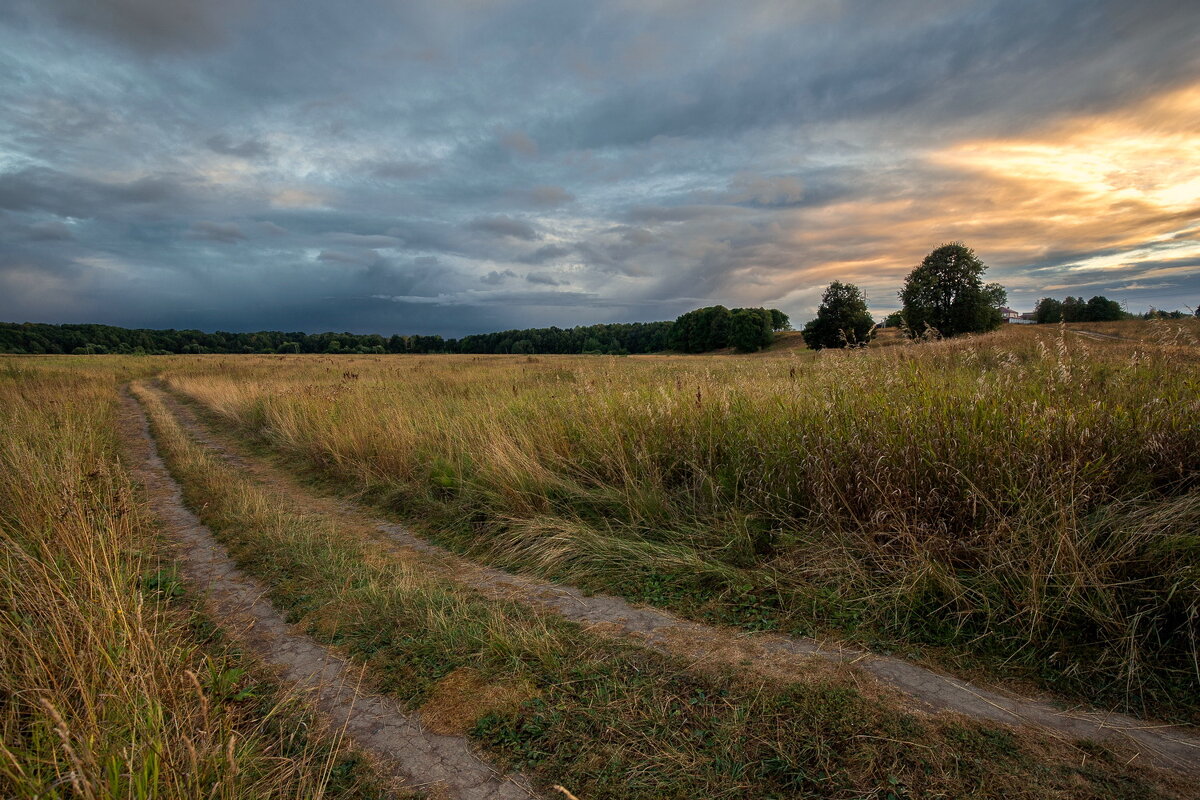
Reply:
x=611 y=720
x=110 y=686
x=1026 y=498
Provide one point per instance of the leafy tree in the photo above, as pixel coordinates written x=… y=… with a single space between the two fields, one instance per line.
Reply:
x=995 y=294
x=1101 y=309
x=1073 y=309
x=750 y=329
x=946 y=292
x=842 y=319
x=779 y=320
x=1048 y=310
x=894 y=319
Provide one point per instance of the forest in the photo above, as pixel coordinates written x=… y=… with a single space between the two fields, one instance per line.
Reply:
x=607 y=339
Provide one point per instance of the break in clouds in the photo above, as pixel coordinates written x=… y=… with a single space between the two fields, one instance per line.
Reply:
x=373 y=166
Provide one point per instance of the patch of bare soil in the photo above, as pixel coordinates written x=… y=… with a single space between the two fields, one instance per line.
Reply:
x=406 y=752
x=769 y=656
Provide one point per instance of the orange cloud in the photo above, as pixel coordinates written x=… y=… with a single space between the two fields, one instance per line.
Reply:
x=1125 y=182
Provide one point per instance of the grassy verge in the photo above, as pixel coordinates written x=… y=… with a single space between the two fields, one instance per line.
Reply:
x=605 y=719
x=111 y=685
x=1022 y=504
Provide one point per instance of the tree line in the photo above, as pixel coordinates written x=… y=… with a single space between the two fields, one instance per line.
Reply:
x=88 y=339
x=1075 y=309
x=747 y=329
x=943 y=296
x=718 y=327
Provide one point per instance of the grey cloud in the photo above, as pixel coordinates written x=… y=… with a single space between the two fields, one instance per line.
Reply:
x=342 y=257
x=47 y=231
x=226 y=232
x=42 y=189
x=149 y=26
x=762 y=190
x=687 y=213
x=545 y=253
x=249 y=149
x=505 y=227
x=495 y=278
x=545 y=196
x=519 y=142
x=365 y=240
x=635 y=236
x=542 y=278
x=399 y=170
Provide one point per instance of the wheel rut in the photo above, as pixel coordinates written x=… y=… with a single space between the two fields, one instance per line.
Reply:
x=403 y=751
x=784 y=657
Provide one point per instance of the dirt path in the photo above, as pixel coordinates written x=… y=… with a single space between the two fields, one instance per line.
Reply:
x=772 y=655
x=1100 y=336
x=402 y=749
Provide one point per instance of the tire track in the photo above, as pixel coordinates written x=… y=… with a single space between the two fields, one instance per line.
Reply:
x=785 y=657
x=402 y=749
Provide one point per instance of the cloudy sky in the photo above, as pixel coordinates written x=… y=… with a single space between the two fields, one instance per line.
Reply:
x=453 y=167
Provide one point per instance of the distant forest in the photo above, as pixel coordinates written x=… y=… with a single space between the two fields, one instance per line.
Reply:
x=615 y=339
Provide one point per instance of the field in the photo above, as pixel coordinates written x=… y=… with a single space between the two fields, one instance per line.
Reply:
x=1018 y=509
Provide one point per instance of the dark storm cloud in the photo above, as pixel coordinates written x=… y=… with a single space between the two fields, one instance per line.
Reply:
x=42 y=189
x=401 y=167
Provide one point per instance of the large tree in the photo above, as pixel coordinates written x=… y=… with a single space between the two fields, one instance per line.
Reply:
x=750 y=329
x=946 y=292
x=842 y=319
x=1048 y=310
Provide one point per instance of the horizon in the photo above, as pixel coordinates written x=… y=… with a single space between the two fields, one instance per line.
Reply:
x=490 y=166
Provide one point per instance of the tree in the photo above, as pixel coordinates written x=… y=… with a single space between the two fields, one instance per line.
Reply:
x=779 y=320
x=894 y=319
x=1048 y=310
x=1101 y=309
x=750 y=329
x=946 y=292
x=842 y=319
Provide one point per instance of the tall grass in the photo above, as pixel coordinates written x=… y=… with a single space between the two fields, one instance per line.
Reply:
x=1028 y=497
x=608 y=718
x=110 y=687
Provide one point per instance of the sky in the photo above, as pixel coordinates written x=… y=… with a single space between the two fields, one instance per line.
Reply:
x=379 y=166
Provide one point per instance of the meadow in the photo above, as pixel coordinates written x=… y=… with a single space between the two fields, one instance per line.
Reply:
x=1021 y=504
x=1019 y=508
x=113 y=683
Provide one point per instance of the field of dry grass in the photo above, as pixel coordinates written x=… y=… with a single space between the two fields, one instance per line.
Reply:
x=112 y=684
x=1021 y=507
x=1022 y=503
